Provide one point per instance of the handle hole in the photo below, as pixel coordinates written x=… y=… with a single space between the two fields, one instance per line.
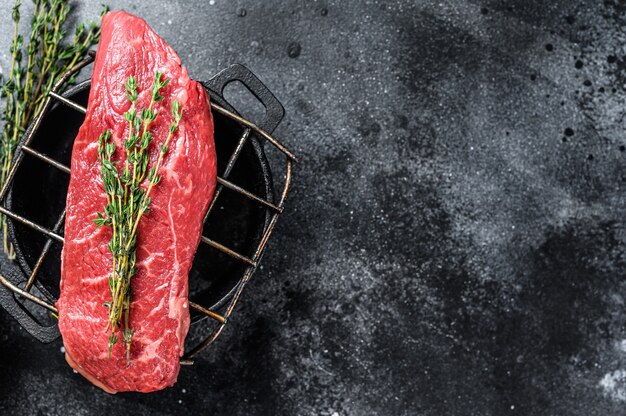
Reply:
x=240 y=97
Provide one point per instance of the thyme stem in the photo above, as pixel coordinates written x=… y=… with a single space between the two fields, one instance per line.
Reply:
x=26 y=87
x=128 y=199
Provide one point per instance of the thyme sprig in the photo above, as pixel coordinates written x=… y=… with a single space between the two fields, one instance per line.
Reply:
x=128 y=190
x=32 y=76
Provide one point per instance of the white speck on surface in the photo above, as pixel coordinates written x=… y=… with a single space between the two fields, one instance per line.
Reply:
x=62 y=349
x=169 y=21
x=614 y=385
x=180 y=401
x=211 y=2
x=184 y=391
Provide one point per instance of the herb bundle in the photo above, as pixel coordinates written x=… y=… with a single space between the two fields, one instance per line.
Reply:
x=32 y=75
x=127 y=200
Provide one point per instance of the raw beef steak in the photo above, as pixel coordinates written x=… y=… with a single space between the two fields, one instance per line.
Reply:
x=167 y=236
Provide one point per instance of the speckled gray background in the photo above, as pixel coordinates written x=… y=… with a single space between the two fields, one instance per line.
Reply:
x=455 y=240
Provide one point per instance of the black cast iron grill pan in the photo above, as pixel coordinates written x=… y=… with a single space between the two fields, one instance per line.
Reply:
x=237 y=226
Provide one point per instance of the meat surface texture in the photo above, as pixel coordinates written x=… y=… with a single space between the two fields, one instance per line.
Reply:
x=168 y=236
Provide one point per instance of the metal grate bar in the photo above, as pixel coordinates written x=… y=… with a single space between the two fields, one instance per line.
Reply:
x=229 y=167
x=228 y=251
x=68 y=103
x=223 y=182
x=46 y=159
x=44 y=253
x=31 y=224
x=219 y=318
x=236 y=152
x=250 y=195
x=27 y=295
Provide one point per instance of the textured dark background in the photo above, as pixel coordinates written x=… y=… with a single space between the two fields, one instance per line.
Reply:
x=455 y=239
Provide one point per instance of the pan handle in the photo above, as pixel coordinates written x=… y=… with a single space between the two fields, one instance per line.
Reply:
x=19 y=312
x=274 y=111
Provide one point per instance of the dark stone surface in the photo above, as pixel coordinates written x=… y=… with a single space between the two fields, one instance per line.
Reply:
x=455 y=239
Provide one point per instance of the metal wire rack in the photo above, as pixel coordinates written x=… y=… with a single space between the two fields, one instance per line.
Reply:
x=275 y=209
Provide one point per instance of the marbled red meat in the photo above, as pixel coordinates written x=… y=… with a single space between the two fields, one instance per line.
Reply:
x=167 y=237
